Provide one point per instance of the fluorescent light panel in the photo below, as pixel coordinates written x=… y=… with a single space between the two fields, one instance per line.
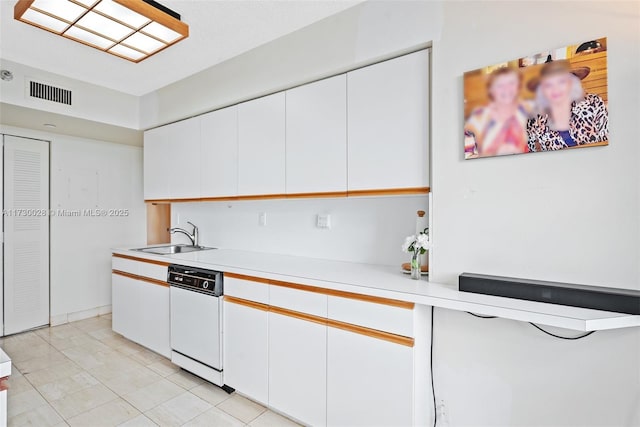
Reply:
x=125 y=28
x=62 y=9
x=84 y=36
x=122 y=14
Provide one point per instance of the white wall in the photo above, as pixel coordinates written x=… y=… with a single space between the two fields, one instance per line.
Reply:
x=87 y=174
x=363 y=34
x=369 y=230
x=89 y=101
x=571 y=216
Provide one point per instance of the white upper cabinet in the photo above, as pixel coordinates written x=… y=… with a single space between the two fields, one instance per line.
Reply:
x=156 y=163
x=317 y=137
x=219 y=153
x=261 y=146
x=184 y=159
x=388 y=112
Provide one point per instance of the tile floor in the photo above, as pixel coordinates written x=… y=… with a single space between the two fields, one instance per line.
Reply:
x=84 y=374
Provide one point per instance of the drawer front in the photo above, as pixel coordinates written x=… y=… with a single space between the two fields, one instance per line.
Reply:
x=382 y=317
x=246 y=289
x=126 y=265
x=297 y=300
x=153 y=271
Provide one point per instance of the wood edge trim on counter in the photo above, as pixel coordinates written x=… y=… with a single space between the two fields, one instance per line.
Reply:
x=331 y=292
x=345 y=294
x=246 y=303
x=329 y=194
x=142 y=278
x=361 y=330
x=245 y=277
x=373 y=333
x=298 y=315
x=389 y=191
x=149 y=261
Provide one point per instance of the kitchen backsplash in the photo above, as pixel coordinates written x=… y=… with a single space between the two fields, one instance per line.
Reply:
x=368 y=230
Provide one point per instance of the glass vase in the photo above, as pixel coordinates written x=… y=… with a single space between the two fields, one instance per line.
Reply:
x=415 y=265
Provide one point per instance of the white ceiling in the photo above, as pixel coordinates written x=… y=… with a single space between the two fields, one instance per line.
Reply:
x=219 y=30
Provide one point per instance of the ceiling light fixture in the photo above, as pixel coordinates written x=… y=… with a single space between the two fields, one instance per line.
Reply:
x=49 y=125
x=130 y=29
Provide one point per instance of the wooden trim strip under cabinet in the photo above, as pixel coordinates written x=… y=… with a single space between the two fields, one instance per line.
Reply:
x=331 y=292
x=361 y=330
x=149 y=261
x=330 y=194
x=142 y=278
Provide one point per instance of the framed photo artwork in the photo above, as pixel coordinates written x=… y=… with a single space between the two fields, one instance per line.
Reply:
x=554 y=100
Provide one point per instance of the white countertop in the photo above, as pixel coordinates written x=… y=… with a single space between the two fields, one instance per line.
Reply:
x=390 y=282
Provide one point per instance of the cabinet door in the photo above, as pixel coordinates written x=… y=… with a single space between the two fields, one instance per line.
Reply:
x=261 y=146
x=156 y=163
x=219 y=153
x=125 y=307
x=154 y=312
x=388 y=110
x=184 y=159
x=298 y=368
x=317 y=137
x=369 y=381
x=246 y=351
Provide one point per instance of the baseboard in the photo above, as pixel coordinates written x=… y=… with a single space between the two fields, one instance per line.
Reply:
x=61 y=319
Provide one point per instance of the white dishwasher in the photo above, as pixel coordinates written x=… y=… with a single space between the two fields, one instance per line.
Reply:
x=196 y=321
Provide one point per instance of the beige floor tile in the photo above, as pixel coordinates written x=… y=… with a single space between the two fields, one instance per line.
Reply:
x=110 y=414
x=65 y=386
x=211 y=393
x=107 y=316
x=25 y=351
x=115 y=366
x=103 y=334
x=146 y=357
x=271 y=419
x=85 y=358
x=153 y=395
x=214 y=417
x=56 y=373
x=177 y=411
x=185 y=379
x=130 y=382
x=60 y=332
x=18 y=384
x=139 y=421
x=42 y=416
x=92 y=324
x=49 y=360
x=83 y=400
x=71 y=342
x=23 y=402
x=242 y=408
x=163 y=367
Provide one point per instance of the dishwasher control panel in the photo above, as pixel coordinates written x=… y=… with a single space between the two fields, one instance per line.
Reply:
x=195 y=279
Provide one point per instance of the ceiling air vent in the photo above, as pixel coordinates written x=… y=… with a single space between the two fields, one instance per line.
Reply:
x=49 y=93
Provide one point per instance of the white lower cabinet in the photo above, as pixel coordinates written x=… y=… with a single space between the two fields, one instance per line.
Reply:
x=140 y=304
x=246 y=350
x=125 y=307
x=156 y=324
x=369 y=381
x=298 y=368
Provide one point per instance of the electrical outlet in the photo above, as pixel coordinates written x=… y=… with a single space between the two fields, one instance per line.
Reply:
x=443 y=414
x=323 y=221
x=262 y=219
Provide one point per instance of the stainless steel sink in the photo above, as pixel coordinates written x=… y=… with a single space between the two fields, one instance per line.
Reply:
x=172 y=249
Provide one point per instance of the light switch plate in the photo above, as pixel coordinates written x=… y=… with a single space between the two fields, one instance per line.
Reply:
x=262 y=219
x=323 y=221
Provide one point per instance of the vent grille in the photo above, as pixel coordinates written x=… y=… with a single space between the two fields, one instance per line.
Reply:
x=49 y=93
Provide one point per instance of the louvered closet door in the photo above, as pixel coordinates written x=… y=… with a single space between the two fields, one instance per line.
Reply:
x=26 y=234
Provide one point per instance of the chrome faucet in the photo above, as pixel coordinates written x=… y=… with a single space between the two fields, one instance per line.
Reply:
x=192 y=236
